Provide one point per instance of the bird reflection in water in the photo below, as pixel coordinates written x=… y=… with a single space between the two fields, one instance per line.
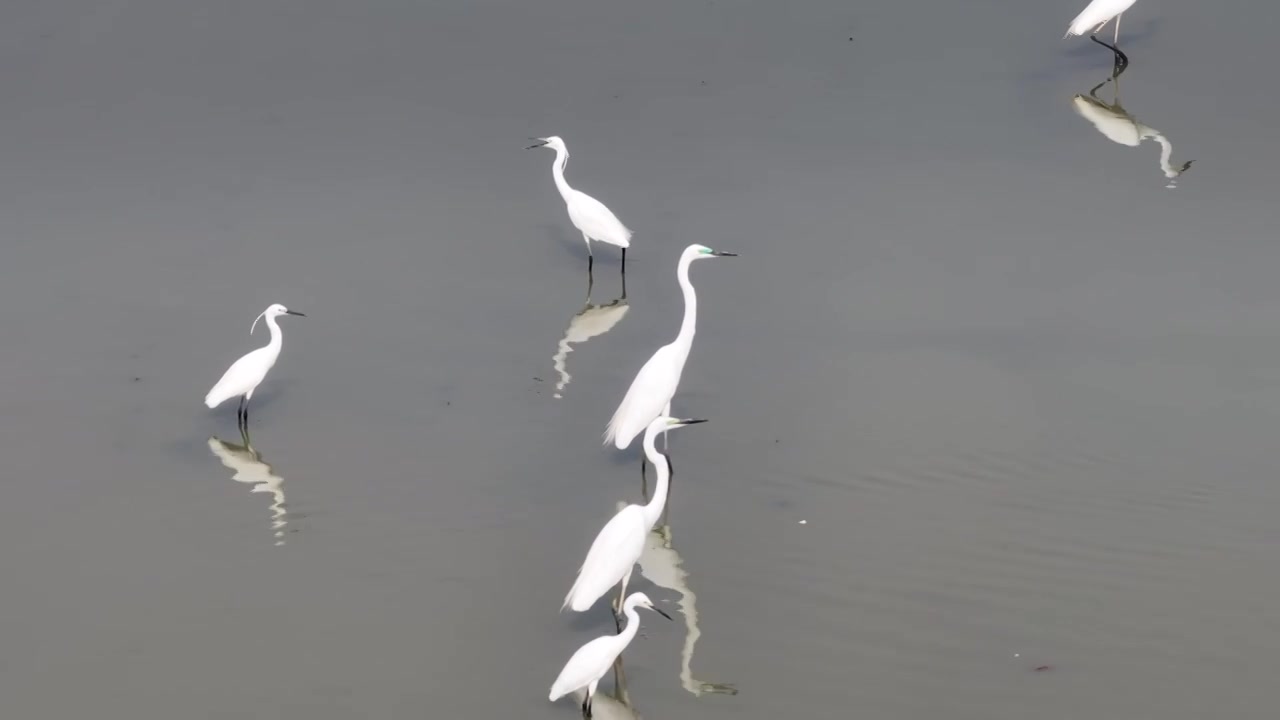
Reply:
x=250 y=469
x=661 y=565
x=1120 y=126
x=591 y=321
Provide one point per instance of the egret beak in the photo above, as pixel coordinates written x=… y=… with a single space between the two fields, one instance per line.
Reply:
x=294 y=312
x=539 y=144
x=718 y=253
x=690 y=422
x=661 y=613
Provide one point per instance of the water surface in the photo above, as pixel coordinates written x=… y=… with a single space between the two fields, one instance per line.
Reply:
x=1023 y=395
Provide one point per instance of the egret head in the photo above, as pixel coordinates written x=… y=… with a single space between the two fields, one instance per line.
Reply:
x=697 y=252
x=662 y=424
x=641 y=600
x=275 y=310
x=554 y=142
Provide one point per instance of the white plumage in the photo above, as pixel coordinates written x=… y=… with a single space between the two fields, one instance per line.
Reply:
x=245 y=374
x=653 y=387
x=1096 y=15
x=588 y=215
x=620 y=542
x=593 y=660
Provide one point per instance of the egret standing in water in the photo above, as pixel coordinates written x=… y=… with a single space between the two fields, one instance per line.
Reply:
x=593 y=660
x=589 y=215
x=650 y=393
x=245 y=374
x=620 y=542
x=1098 y=13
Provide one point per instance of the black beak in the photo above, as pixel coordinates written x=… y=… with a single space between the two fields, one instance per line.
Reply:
x=691 y=422
x=724 y=254
x=662 y=613
x=294 y=312
x=541 y=142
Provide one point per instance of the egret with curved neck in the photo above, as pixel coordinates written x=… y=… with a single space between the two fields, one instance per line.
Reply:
x=650 y=393
x=588 y=215
x=245 y=374
x=620 y=542
x=593 y=660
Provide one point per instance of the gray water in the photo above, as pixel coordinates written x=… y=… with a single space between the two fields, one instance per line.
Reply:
x=986 y=396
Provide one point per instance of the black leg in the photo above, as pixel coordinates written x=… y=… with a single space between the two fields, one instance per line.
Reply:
x=644 y=481
x=624 y=261
x=1121 y=60
x=666 y=506
x=591 y=260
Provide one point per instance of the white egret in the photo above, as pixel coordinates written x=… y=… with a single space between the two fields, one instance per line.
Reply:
x=620 y=542
x=245 y=374
x=593 y=660
x=1098 y=13
x=653 y=387
x=589 y=215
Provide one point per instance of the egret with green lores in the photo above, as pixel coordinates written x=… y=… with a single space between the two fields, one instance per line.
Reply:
x=653 y=387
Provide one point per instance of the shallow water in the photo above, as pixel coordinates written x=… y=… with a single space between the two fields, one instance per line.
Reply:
x=985 y=395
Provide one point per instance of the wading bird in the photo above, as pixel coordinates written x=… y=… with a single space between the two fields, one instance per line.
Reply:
x=620 y=542
x=245 y=374
x=594 y=659
x=650 y=393
x=589 y=215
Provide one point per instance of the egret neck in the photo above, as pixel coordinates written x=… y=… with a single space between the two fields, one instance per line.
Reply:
x=277 y=338
x=653 y=510
x=684 y=341
x=557 y=171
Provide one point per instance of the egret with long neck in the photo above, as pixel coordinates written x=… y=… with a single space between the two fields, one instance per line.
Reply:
x=620 y=542
x=593 y=660
x=588 y=215
x=245 y=374
x=650 y=393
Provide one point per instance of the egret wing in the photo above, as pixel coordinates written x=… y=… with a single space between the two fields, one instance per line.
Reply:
x=615 y=550
x=241 y=377
x=589 y=663
x=599 y=223
x=647 y=397
x=1096 y=13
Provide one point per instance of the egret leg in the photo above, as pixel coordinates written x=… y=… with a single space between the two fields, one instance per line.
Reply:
x=644 y=481
x=1117 y=40
x=622 y=595
x=620 y=682
x=666 y=411
x=591 y=693
x=666 y=506
x=624 y=262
